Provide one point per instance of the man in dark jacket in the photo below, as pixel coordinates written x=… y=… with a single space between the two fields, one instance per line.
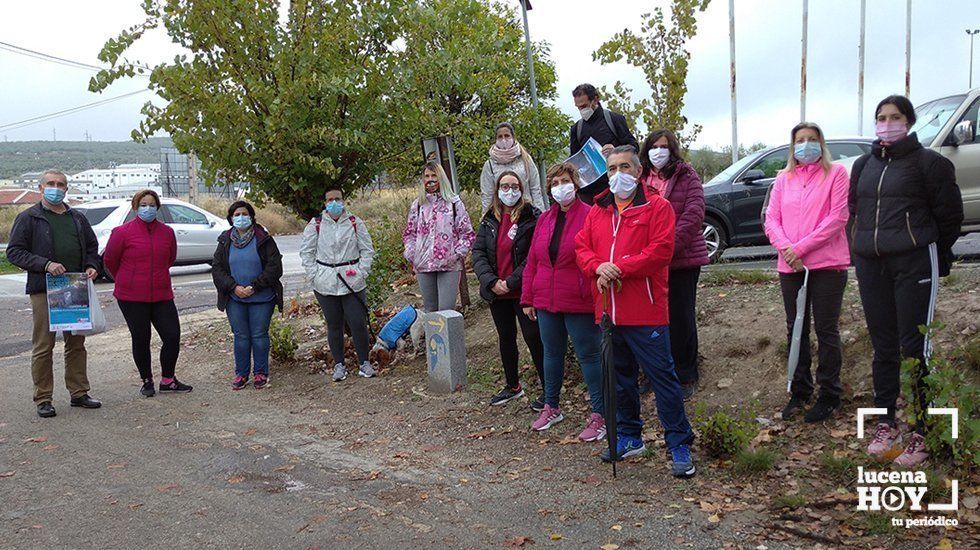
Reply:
x=51 y=238
x=606 y=127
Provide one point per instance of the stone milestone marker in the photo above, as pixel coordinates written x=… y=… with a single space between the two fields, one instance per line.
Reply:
x=445 y=350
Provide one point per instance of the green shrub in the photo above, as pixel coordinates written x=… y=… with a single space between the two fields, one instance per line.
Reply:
x=789 y=501
x=754 y=462
x=6 y=266
x=727 y=276
x=723 y=436
x=840 y=470
x=389 y=263
x=283 y=341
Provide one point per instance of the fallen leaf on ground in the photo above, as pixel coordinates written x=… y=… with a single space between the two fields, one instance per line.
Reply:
x=136 y=506
x=41 y=439
x=944 y=544
x=617 y=527
x=714 y=518
x=609 y=546
x=236 y=479
x=480 y=434
x=518 y=542
x=725 y=383
x=555 y=536
x=837 y=434
x=569 y=440
x=250 y=432
x=166 y=487
x=7 y=474
x=49 y=447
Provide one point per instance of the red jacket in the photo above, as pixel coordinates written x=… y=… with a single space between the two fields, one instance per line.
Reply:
x=139 y=256
x=558 y=287
x=640 y=242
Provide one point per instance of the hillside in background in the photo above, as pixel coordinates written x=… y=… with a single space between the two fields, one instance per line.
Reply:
x=18 y=157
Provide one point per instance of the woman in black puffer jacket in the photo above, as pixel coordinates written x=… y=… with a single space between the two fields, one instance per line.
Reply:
x=906 y=213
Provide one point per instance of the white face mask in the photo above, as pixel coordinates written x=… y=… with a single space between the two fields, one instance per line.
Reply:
x=623 y=185
x=659 y=157
x=563 y=193
x=586 y=113
x=509 y=196
x=505 y=143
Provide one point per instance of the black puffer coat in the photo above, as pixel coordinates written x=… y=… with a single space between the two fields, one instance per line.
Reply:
x=485 y=251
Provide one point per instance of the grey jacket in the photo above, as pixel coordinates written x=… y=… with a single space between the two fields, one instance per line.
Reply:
x=528 y=173
x=31 y=247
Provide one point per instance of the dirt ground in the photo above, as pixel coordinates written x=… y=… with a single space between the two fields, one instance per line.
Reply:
x=381 y=462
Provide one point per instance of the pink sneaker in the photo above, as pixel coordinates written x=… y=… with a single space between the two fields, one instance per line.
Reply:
x=915 y=452
x=595 y=429
x=548 y=418
x=885 y=438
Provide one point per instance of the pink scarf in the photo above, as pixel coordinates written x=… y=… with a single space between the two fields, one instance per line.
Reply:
x=505 y=156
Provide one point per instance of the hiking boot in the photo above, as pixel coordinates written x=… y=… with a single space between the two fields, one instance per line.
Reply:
x=549 y=417
x=366 y=370
x=505 y=395
x=46 y=410
x=261 y=381
x=339 y=372
x=626 y=447
x=147 y=390
x=886 y=437
x=239 y=383
x=796 y=403
x=687 y=390
x=681 y=463
x=85 y=402
x=174 y=386
x=595 y=429
x=915 y=452
x=822 y=409
x=538 y=404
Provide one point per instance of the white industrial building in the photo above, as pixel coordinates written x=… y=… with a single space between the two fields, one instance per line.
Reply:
x=119 y=182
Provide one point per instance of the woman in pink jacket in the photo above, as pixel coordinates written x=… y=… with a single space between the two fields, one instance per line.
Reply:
x=805 y=221
x=557 y=295
x=139 y=256
x=437 y=238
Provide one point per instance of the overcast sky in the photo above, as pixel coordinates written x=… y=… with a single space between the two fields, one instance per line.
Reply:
x=767 y=45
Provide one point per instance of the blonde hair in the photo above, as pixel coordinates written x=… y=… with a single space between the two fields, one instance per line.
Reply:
x=825 y=161
x=497 y=207
x=445 y=188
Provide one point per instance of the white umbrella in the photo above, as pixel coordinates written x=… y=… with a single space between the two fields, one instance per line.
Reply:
x=794 y=347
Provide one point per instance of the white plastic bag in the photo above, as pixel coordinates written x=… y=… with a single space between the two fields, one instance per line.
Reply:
x=95 y=311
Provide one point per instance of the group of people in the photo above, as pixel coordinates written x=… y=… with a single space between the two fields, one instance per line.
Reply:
x=628 y=246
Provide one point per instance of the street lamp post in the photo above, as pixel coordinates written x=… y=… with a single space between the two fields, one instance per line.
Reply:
x=972 y=34
x=525 y=7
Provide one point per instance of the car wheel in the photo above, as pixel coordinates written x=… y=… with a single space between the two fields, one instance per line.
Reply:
x=714 y=238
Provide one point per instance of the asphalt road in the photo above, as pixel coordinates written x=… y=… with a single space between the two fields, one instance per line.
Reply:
x=193 y=290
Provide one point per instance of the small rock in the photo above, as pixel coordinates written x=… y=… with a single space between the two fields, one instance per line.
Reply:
x=725 y=383
x=763 y=421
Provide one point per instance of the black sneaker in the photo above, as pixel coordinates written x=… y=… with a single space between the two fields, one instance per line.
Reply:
x=147 y=390
x=795 y=403
x=505 y=395
x=175 y=386
x=46 y=410
x=822 y=409
x=538 y=404
x=687 y=390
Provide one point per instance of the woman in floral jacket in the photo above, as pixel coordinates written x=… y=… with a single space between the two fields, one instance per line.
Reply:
x=437 y=239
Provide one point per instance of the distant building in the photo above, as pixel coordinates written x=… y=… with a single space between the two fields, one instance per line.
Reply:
x=18 y=197
x=110 y=193
x=27 y=179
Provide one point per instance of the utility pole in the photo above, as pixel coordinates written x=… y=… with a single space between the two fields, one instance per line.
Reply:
x=731 y=56
x=972 y=34
x=526 y=7
x=861 y=73
x=192 y=178
x=806 y=6
x=908 y=48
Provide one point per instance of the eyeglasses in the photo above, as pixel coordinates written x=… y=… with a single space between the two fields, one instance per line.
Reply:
x=510 y=187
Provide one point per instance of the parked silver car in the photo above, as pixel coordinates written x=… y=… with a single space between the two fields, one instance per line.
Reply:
x=197 y=230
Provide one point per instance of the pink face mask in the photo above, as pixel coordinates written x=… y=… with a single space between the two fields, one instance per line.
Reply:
x=891 y=131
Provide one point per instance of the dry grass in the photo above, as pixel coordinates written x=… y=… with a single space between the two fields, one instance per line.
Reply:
x=376 y=206
x=7 y=215
x=276 y=218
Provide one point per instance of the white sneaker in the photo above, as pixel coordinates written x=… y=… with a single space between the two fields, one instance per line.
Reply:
x=366 y=370
x=339 y=372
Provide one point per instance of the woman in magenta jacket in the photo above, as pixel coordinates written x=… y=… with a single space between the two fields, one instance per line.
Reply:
x=805 y=221
x=557 y=295
x=139 y=256
x=666 y=173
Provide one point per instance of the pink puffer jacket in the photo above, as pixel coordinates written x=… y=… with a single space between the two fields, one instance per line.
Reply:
x=560 y=287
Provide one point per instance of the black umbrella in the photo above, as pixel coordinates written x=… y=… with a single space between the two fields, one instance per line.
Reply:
x=608 y=380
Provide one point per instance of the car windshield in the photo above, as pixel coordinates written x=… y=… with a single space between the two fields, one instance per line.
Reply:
x=95 y=216
x=729 y=173
x=931 y=117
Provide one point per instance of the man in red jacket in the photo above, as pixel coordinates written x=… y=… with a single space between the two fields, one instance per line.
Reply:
x=626 y=247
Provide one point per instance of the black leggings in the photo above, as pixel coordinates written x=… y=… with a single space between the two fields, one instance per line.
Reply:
x=163 y=316
x=348 y=309
x=507 y=313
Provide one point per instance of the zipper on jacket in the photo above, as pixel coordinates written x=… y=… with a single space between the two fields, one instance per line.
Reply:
x=908 y=224
x=649 y=292
x=878 y=205
x=612 y=256
x=150 y=234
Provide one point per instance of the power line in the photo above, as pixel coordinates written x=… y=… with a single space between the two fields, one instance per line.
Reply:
x=41 y=56
x=43 y=118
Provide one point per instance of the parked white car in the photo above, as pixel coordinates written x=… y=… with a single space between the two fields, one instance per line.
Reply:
x=197 y=230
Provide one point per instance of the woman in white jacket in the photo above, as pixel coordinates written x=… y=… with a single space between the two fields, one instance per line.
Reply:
x=337 y=255
x=507 y=154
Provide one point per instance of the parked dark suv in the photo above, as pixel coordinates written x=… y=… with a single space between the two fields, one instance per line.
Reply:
x=733 y=199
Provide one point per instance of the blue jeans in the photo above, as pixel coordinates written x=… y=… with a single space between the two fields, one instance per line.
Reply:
x=555 y=330
x=648 y=347
x=250 y=324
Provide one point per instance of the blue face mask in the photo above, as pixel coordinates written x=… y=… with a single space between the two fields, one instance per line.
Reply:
x=54 y=195
x=807 y=152
x=147 y=213
x=334 y=208
x=242 y=221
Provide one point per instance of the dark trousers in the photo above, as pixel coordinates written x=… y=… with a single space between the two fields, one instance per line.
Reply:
x=163 y=317
x=648 y=348
x=338 y=310
x=898 y=294
x=824 y=295
x=507 y=313
x=682 y=300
